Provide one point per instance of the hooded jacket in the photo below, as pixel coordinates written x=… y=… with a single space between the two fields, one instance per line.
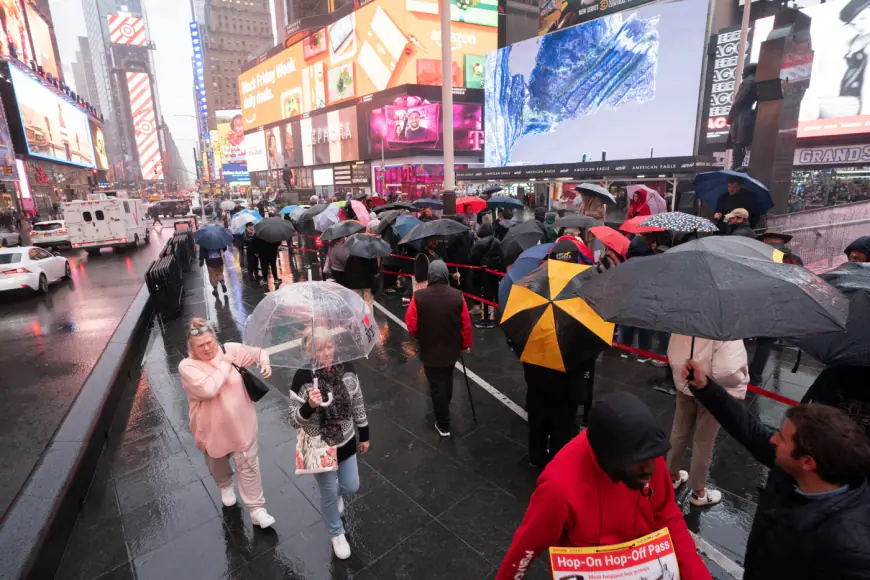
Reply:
x=638 y=249
x=577 y=504
x=862 y=244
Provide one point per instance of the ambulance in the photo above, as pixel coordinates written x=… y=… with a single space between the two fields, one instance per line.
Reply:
x=105 y=221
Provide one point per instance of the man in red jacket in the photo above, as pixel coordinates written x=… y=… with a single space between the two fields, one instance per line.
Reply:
x=609 y=485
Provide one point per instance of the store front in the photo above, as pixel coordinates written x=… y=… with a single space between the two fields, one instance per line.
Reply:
x=414 y=181
x=828 y=176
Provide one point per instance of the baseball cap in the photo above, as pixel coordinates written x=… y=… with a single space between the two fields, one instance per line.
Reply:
x=739 y=212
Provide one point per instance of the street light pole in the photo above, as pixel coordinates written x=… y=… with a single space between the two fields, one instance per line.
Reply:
x=448 y=197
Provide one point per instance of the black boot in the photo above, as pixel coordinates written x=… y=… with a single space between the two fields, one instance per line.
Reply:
x=223 y=286
x=214 y=290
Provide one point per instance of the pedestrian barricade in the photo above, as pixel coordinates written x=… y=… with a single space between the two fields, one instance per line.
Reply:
x=166 y=287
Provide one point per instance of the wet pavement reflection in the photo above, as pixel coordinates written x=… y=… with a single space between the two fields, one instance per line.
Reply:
x=428 y=507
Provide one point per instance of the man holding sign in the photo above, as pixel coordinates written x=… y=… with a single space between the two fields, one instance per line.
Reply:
x=608 y=486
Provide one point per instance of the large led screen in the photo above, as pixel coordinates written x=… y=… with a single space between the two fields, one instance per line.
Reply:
x=627 y=84
x=145 y=124
x=255 y=146
x=384 y=44
x=411 y=122
x=41 y=34
x=329 y=137
x=13 y=30
x=101 y=158
x=53 y=127
x=230 y=141
x=837 y=101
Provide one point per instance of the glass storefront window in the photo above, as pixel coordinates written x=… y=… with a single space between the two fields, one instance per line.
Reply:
x=813 y=189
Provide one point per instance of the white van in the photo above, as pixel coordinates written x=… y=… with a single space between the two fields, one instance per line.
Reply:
x=103 y=221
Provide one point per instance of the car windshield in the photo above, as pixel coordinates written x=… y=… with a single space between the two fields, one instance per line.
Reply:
x=46 y=226
x=10 y=258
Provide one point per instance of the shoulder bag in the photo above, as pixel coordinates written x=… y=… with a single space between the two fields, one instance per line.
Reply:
x=256 y=387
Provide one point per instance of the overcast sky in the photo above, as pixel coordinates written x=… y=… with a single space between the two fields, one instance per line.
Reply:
x=168 y=26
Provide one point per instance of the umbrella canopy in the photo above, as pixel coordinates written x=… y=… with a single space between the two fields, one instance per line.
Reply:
x=252 y=212
x=738 y=246
x=326 y=218
x=504 y=202
x=213 y=237
x=288 y=209
x=428 y=202
x=240 y=220
x=851 y=347
x=282 y=324
x=386 y=219
x=274 y=230
x=297 y=213
x=362 y=214
x=404 y=224
x=575 y=220
x=632 y=226
x=522 y=266
x=717 y=296
x=491 y=190
x=611 y=238
x=312 y=211
x=228 y=205
x=596 y=190
x=341 y=230
x=368 y=246
x=654 y=200
x=711 y=185
x=520 y=238
x=442 y=227
x=398 y=205
x=475 y=203
x=677 y=221
x=548 y=325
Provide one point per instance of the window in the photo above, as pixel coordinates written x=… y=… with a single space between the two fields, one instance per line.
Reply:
x=86 y=215
x=126 y=207
x=100 y=215
x=37 y=254
x=11 y=258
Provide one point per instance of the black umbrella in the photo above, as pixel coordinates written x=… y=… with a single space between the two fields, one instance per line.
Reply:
x=596 y=191
x=386 y=219
x=492 y=189
x=575 y=220
x=396 y=205
x=367 y=246
x=341 y=230
x=312 y=211
x=274 y=230
x=717 y=296
x=851 y=347
x=427 y=202
x=442 y=227
x=520 y=238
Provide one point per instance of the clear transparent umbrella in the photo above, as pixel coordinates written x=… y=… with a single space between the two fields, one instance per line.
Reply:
x=299 y=323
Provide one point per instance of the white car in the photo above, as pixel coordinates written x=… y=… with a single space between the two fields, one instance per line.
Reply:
x=31 y=267
x=9 y=237
x=51 y=234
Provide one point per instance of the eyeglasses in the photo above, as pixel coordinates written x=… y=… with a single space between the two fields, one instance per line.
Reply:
x=200 y=331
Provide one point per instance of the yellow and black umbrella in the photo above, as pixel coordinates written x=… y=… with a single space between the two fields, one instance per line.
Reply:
x=547 y=325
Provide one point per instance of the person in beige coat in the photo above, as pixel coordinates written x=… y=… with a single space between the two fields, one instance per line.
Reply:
x=726 y=363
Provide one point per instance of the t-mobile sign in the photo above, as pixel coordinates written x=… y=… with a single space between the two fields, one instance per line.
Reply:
x=412 y=122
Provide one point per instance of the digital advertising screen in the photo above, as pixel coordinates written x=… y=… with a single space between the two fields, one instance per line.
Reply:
x=329 y=137
x=53 y=127
x=13 y=30
x=127 y=29
x=626 y=86
x=40 y=32
x=230 y=141
x=384 y=44
x=101 y=158
x=412 y=122
x=8 y=167
x=559 y=14
x=255 y=147
x=145 y=125
x=837 y=101
x=274 y=147
x=236 y=173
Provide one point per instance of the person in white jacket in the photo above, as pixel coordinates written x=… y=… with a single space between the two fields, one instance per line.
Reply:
x=726 y=363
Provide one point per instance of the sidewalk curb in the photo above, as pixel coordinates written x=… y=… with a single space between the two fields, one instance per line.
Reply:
x=35 y=529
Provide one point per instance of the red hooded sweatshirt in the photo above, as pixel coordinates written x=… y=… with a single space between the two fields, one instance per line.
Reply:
x=576 y=504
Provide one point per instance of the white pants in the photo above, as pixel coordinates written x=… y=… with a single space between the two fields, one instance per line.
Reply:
x=248 y=467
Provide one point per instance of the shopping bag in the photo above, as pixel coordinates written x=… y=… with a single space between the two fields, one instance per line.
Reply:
x=314 y=455
x=651 y=556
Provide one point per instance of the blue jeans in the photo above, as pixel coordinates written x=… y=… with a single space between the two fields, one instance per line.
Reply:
x=333 y=484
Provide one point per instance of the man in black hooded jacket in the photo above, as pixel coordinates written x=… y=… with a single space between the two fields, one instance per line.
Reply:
x=813 y=516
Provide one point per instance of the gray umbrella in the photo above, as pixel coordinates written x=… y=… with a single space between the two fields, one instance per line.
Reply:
x=341 y=230
x=575 y=220
x=312 y=211
x=716 y=296
x=442 y=227
x=367 y=246
x=386 y=219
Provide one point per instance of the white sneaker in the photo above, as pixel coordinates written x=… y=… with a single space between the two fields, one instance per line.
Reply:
x=261 y=518
x=684 y=477
x=658 y=363
x=228 y=496
x=340 y=547
x=642 y=359
x=711 y=497
x=623 y=355
x=340 y=506
x=441 y=432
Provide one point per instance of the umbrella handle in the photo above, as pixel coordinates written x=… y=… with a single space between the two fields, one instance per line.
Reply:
x=691 y=375
x=328 y=400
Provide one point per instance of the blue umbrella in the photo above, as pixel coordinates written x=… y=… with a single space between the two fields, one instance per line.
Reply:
x=403 y=225
x=252 y=212
x=287 y=209
x=527 y=261
x=240 y=221
x=427 y=202
x=213 y=237
x=712 y=185
x=504 y=201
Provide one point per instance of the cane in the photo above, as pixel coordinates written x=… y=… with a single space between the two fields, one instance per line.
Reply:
x=468 y=387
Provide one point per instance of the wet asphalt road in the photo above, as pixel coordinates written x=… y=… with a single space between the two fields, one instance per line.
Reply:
x=50 y=344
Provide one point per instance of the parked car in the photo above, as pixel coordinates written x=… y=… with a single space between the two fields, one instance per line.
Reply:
x=31 y=268
x=9 y=237
x=51 y=234
x=172 y=208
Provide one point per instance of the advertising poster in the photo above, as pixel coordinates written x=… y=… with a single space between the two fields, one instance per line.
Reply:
x=53 y=127
x=127 y=29
x=651 y=556
x=546 y=104
x=8 y=167
x=292 y=144
x=330 y=137
x=558 y=14
x=375 y=48
x=13 y=30
x=236 y=173
x=145 y=125
x=40 y=33
x=474 y=72
x=837 y=101
x=412 y=122
x=255 y=147
x=274 y=146
x=230 y=140
x=101 y=158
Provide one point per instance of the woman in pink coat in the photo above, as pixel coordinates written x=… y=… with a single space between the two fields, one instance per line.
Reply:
x=222 y=417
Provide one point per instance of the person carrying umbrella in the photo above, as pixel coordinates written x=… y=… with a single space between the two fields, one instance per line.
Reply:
x=638 y=205
x=426 y=215
x=268 y=253
x=504 y=223
x=549 y=230
x=486 y=252
x=592 y=205
x=251 y=252
x=438 y=318
x=336 y=261
x=154 y=212
x=359 y=275
x=737 y=197
x=214 y=262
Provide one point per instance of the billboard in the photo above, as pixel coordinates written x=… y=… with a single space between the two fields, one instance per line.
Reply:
x=13 y=30
x=127 y=29
x=384 y=44
x=547 y=101
x=199 y=79
x=40 y=33
x=236 y=173
x=837 y=101
x=555 y=15
x=411 y=122
x=101 y=158
x=329 y=137
x=145 y=124
x=720 y=86
x=228 y=140
x=255 y=149
x=8 y=167
x=53 y=127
